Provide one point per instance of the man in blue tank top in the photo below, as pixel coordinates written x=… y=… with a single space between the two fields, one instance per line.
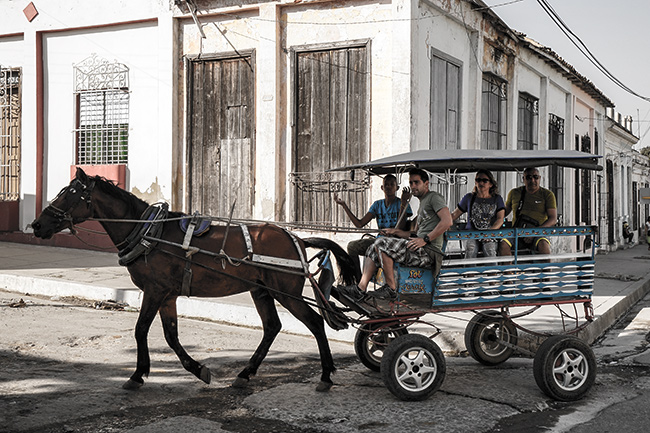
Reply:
x=386 y=211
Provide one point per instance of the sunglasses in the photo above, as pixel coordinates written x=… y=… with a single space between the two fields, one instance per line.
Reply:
x=481 y=179
x=532 y=176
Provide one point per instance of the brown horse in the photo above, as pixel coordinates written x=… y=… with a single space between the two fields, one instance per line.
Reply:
x=160 y=270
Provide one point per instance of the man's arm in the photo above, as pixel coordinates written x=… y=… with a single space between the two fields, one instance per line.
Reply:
x=551 y=211
x=552 y=218
x=438 y=230
x=403 y=223
x=358 y=223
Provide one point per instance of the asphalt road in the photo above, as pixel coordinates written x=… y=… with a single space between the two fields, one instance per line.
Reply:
x=63 y=364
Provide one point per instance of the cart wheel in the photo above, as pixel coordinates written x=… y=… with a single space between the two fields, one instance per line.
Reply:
x=482 y=337
x=413 y=367
x=564 y=368
x=370 y=345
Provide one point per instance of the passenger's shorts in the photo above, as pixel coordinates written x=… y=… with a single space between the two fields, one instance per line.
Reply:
x=396 y=249
x=522 y=244
x=360 y=246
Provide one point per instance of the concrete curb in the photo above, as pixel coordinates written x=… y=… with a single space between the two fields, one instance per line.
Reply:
x=599 y=326
x=222 y=311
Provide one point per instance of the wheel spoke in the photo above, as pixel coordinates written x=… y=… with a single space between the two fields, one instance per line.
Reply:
x=428 y=369
x=404 y=359
x=420 y=358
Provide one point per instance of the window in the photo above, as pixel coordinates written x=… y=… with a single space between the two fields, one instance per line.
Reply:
x=10 y=116
x=556 y=174
x=445 y=103
x=102 y=112
x=493 y=113
x=527 y=122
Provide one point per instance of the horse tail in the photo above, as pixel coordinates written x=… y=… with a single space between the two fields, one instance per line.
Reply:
x=347 y=268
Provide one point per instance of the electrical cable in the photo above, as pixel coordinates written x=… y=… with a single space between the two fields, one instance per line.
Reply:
x=582 y=47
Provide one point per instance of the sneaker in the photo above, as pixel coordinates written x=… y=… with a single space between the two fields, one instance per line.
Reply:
x=353 y=292
x=384 y=292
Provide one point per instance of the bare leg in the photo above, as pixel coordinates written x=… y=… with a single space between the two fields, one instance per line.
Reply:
x=504 y=249
x=369 y=270
x=389 y=274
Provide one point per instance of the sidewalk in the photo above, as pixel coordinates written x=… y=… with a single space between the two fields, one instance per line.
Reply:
x=622 y=278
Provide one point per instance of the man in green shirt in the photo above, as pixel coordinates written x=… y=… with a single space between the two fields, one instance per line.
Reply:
x=422 y=248
x=538 y=208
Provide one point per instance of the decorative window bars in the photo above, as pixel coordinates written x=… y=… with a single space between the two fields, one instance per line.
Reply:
x=556 y=174
x=527 y=122
x=494 y=100
x=102 y=111
x=10 y=128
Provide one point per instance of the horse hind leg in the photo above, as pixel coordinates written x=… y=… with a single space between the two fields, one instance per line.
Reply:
x=271 y=324
x=169 y=318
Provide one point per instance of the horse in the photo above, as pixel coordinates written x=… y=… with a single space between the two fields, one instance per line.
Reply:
x=159 y=271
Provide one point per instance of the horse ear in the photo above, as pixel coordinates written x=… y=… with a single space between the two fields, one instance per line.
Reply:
x=81 y=175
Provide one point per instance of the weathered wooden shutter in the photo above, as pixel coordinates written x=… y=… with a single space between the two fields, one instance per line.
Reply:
x=445 y=104
x=332 y=129
x=221 y=134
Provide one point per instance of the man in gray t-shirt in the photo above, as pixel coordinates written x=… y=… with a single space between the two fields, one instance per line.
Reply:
x=422 y=248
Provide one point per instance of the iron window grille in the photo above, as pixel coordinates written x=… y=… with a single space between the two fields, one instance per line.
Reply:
x=494 y=100
x=10 y=116
x=102 y=112
x=527 y=122
x=556 y=174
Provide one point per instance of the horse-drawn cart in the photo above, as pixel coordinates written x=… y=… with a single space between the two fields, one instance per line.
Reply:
x=223 y=257
x=498 y=290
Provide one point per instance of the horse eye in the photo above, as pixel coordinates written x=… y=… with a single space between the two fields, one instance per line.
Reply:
x=73 y=191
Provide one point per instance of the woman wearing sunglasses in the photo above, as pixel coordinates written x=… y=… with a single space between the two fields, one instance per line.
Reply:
x=485 y=210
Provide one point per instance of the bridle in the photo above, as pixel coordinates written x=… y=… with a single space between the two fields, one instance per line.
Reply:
x=79 y=192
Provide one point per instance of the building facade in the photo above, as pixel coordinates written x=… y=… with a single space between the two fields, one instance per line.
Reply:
x=245 y=105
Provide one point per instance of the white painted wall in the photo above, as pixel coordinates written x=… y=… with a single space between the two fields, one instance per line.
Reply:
x=136 y=46
x=69 y=36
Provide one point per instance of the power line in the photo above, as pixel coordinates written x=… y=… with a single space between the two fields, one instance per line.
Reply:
x=582 y=47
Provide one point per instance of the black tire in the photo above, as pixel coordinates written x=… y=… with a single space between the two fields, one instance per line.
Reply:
x=482 y=336
x=564 y=368
x=371 y=341
x=413 y=367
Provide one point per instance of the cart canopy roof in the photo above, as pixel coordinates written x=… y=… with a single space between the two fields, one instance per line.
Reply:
x=468 y=160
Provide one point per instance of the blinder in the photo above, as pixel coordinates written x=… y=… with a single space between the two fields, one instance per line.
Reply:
x=78 y=192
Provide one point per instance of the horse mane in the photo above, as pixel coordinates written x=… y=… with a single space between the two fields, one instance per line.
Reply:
x=109 y=187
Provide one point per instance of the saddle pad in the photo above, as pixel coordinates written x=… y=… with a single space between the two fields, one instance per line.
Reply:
x=202 y=226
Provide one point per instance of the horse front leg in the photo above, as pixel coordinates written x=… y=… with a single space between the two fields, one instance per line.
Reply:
x=169 y=319
x=150 y=305
x=271 y=324
x=314 y=322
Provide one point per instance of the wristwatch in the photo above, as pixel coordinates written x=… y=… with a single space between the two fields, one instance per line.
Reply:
x=426 y=239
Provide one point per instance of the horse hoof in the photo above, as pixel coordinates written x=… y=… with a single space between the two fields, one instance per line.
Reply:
x=324 y=386
x=132 y=385
x=240 y=382
x=205 y=374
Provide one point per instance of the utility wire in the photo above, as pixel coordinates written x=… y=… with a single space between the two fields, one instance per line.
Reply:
x=582 y=47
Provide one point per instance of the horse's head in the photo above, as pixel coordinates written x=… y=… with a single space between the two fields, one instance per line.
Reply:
x=71 y=206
